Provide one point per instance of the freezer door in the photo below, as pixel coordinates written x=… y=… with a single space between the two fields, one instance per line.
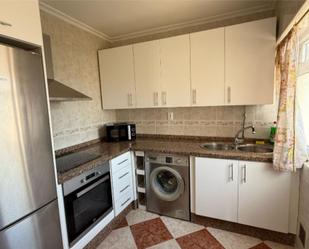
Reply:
x=26 y=166
x=41 y=230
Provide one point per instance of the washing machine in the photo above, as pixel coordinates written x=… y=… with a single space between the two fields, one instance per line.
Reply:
x=168 y=185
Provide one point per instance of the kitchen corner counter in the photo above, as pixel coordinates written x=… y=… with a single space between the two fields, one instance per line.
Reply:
x=107 y=151
x=190 y=147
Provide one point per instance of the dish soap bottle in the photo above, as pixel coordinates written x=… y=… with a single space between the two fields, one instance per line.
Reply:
x=273 y=130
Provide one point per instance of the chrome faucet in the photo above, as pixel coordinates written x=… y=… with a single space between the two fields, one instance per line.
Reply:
x=237 y=139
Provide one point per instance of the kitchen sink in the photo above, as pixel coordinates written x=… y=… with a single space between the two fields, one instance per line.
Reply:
x=256 y=148
x=218 y=146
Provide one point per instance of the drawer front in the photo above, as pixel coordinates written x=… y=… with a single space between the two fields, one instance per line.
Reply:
x=122 y=181
x=120 y=162
x=124 y=201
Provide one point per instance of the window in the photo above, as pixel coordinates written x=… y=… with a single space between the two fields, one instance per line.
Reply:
x=303 y=86
x=305 y=53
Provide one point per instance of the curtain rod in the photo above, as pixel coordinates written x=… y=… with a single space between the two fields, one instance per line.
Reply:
x=296 y=19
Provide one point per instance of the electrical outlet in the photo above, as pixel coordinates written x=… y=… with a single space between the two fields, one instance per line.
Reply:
x=170 y=116
x=302 y=235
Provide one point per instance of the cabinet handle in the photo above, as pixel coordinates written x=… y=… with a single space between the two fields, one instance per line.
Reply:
x=244 y=173
x=128 y=99
x=231 y=172
x=123 y=161
x=120 y=177
x=131 y=99
x=122 y=204
x=155 y=98
x=124 y=188
x=194 y=96
x=229 y=90
x=6 y=24
x=163 y=96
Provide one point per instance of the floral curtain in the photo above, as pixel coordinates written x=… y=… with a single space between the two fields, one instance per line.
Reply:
x=286 y=62
x=290 y=147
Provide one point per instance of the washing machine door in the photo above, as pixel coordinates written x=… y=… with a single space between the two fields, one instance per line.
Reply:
x=166 y=183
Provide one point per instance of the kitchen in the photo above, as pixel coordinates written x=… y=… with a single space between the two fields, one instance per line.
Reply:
x=180 y=159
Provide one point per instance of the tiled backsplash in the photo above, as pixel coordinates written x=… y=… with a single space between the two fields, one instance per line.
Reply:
x=201 y=121
x=75 y=62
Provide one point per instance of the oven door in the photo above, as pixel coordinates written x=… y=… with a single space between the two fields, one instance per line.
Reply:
x=86 y=206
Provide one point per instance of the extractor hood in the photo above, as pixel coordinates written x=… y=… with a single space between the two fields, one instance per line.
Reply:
x=57 y=90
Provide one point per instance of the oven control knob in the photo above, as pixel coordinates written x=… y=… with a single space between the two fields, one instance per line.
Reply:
x=82 y=180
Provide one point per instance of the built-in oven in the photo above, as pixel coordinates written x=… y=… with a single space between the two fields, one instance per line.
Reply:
x=87 y=199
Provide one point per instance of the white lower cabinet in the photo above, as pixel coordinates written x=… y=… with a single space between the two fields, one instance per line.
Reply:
x=122 y=181
x=250 y=193
x=264 y=196
x=216 y=188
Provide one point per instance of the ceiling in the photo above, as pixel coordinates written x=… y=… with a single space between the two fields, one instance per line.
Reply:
x=119 y=19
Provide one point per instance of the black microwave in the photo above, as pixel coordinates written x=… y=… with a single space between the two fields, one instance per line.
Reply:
x=116 y=132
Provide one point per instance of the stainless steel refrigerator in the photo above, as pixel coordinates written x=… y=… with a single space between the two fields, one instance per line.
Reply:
x=29 y=216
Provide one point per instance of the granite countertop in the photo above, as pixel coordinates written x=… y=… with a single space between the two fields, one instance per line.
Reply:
x=190 y=147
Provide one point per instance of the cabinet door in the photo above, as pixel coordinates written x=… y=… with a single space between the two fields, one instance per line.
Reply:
x=117 y=77
x=175 y=71
x=264 y=196
x=21 y=20
x=147 y=73
x=207 y=67
x=216 y=188
x=250 y=57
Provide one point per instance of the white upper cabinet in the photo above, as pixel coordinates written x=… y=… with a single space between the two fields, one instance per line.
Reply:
x=117 y=77
x=249 y=62
x=175 y=71
x=233 y=65
x=147 y=74
x=207 y=67
x=20 y=20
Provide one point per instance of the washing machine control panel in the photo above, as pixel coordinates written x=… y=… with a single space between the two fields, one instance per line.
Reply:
x=168 y=159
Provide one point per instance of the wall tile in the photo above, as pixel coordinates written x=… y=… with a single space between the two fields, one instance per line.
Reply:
x=202 y=121
x=75 y=60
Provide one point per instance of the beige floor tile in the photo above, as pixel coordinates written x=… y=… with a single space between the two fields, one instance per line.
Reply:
x=274 y=245
x=179 y=228
x=138 y=215
x=121 y=238
x=233 y=240
x=170 y=244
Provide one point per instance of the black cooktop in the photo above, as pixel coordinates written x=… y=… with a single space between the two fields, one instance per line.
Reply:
x=73 y=160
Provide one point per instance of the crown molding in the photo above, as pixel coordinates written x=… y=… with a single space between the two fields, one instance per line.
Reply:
x=192 y=23
x=57 y=13
x=201 y=21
